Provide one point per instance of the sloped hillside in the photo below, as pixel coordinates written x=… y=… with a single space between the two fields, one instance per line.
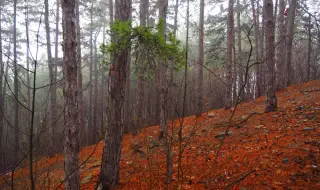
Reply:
x=262 y=151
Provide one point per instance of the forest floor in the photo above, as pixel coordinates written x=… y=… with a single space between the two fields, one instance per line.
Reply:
x=279 y=150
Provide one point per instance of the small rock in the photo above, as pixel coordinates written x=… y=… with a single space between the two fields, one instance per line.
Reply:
x=311 y=116
x=211 y=115
x=275 y=116
x=308 y=129
x=298 y=108
x=199 y=152
x=238 y=127
x=243 y=188
x=285 y=161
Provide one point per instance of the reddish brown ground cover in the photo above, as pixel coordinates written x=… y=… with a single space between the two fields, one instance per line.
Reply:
x=278 y=150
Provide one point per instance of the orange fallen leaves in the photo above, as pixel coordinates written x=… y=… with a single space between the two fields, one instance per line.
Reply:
x=276 y=146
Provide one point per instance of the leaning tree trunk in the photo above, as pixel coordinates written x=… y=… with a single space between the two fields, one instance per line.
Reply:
x=271 y=103
x=291 y=17
x=70 y=93
x=280 y=57
x=53 y=94
x=228 y=100
x=110 y=167
x=199 y=66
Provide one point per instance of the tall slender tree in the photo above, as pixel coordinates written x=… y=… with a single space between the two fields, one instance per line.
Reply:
x=53 y=93
x=280 y=55
x=144 y=8
x=70 y=92
x=16 y=84
x=199 y=66
x=309 y=25
x=239 y=61
x=79 y=70
x=271 y=102
x=91 y=127
x=290 y=27
x=228 y=100
x=256 y=38
x=162 y=85
x=1 y=98
x=110 y=166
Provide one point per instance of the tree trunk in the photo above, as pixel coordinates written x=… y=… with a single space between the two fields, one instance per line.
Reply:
x=257 y=42
x=90 y=127
x=96 y=92
x=240 y=70
x=256 y=38
x=271 y=103
x=162 y=85
x=290 y=26
x=16 y=86
x=79 y=73
x=53 y=94
x=102 y=70
x=280 y=57
x=1 y=98
x=228 y=101
x=110 y=167
x=144 y=7
x=309 y=48
x=199 y=66
x=27 y=73
x=262 y=52
x=70 y=91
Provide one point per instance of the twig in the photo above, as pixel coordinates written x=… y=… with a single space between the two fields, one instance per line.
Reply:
x=315 y=90
x=246 y=174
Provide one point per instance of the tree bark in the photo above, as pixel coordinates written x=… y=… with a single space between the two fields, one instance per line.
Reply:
x=53 y=94
x=290 y=26
x=96 y=92
x=271 y=102
x=141 y=65
x=257 y=56
x=110 y=167
x=199 y=66
x=228 y=101
x=79 y=73
x=70 y=93
x=90 y=127
x=280 y=57
x=309 y=48
x=16 y=86
x=240 y=70
x=162 y=85
x=1 y=98
x=263 y=67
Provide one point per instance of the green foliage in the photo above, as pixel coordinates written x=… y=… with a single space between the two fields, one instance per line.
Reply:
x=150 y=42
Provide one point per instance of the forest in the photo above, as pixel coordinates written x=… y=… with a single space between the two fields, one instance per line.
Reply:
x=159 y=94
